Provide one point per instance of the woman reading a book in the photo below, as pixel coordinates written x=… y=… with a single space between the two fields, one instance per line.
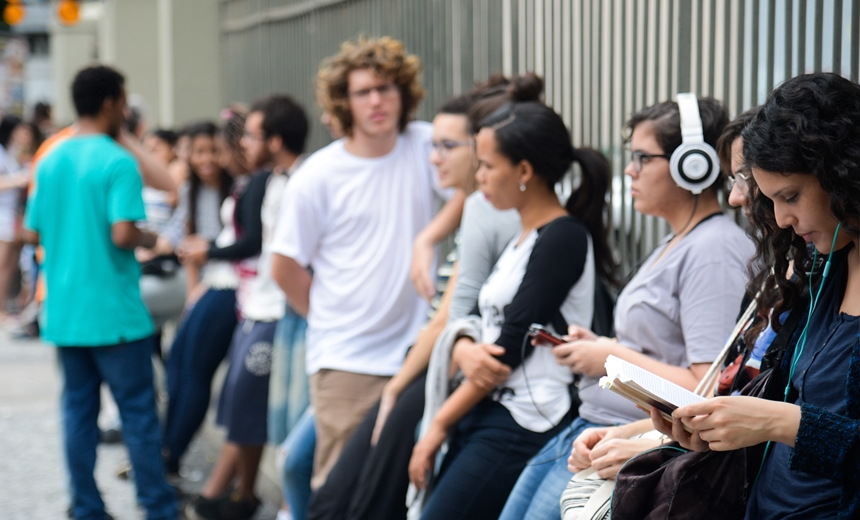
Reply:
x=673 y=315
x=804 y=150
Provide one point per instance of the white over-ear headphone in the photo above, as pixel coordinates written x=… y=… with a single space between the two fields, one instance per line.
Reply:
x=695 y=165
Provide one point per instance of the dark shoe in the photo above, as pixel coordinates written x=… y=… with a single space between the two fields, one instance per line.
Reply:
x=202 y=508
x=110 y=436
x=234 y=508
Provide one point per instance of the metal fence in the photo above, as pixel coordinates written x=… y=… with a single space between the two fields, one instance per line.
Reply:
x=601 y=59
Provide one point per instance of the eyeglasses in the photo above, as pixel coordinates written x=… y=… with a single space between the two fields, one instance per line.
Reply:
x=444 y=147
x=387 y=91
x=640 y=158
x=739 y=178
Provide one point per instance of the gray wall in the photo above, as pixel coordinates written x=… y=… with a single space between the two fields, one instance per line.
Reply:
x=602 y=60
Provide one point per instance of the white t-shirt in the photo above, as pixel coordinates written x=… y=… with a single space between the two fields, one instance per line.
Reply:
x=536 y=393
x=353 y=221
x=266 y=301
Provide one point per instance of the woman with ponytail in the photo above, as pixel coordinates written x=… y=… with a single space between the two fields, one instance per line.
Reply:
x=545 y=275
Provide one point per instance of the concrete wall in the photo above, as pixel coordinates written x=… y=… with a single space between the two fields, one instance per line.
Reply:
x=168 y=51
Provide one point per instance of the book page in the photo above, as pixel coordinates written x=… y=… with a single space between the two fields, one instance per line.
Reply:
x=663 y=391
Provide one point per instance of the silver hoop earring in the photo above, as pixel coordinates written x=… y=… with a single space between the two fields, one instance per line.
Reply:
x=522 y=186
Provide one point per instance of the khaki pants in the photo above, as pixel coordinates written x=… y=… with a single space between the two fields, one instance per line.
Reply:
x=340 y=400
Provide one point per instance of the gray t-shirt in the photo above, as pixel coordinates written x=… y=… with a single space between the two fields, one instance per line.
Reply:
x=208 y=211
x=679 y=311
x=484 y=234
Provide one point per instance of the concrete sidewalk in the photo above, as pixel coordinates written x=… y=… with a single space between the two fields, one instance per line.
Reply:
x=32 y=475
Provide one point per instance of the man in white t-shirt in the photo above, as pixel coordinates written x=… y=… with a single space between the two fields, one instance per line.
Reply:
x=350 y=214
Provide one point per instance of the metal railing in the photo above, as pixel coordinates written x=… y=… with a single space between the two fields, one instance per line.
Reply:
x=601 y=59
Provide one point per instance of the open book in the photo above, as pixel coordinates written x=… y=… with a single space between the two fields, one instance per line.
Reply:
x=644 y=388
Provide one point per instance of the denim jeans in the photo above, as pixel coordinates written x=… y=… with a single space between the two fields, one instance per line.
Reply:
x=289 y=396
x=538 y=490
x=127 y=369
x=199 y=347
x=485 y=455
x=299 y=465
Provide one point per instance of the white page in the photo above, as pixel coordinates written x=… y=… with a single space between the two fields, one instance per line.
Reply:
x=626 y=372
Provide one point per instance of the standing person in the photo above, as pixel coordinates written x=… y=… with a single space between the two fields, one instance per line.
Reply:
x=10 y=184
x=83 y=212
x=351 y=214
x=279 y=125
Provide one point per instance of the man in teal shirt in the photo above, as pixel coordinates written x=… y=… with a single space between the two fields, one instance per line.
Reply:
x=83 y=210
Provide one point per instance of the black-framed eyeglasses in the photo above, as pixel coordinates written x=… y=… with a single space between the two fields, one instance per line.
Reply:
x=640 y=158
x=444 y=147
x=740 y=178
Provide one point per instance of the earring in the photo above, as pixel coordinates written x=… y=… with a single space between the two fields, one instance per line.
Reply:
x=522 y=186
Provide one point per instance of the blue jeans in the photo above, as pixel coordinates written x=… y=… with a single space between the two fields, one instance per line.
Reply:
x=538 y=490
x=299 y=464
x=485 y=455
x=199 y=347
x=289 y=396
x=127 y=370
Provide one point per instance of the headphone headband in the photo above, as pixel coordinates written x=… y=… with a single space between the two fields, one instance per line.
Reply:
x=691 y=121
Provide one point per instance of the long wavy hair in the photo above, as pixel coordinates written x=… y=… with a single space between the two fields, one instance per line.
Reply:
x=809 y=125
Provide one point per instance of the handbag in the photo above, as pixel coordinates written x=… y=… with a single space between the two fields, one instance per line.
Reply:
x=670 y=482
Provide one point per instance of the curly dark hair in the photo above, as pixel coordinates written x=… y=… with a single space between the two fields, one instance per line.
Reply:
x=809 y=125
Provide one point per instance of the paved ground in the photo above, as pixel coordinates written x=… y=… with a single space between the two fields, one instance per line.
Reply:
x=32 y=478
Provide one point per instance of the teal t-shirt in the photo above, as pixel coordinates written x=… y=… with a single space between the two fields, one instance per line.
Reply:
x=83 y=186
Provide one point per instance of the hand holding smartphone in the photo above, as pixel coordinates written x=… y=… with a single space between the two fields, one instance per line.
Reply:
x=541 y=336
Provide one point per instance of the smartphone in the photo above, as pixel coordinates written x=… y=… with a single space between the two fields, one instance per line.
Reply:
x=543 y=336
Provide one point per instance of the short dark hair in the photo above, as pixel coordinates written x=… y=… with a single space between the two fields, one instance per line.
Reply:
x=168 y=136
x=731 y=132
x=665 y=122
x=7 y=126
x=92 y=86
x=284 y=117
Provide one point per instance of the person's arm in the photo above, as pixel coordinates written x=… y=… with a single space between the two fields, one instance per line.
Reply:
x=126 y=235
x=250 y=216
x=423 y=248
x=731 y=423
x=294 y=280
x=154 y=174
x=176 y=227
x=416 y=360
x=554 y=266
x=588 y=356
x=458 y=404
x=479 y=233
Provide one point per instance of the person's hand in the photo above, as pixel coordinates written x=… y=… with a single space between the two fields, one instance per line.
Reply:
x=575 y=332
x=144 y=255
x=424 y=456
x=676 y=431
x=580 y=454
x=419 y=273
x=193 y=249
x=609 y=455
x=731 y=423
x=386 y=403
x=586 y=356
x=479 y=363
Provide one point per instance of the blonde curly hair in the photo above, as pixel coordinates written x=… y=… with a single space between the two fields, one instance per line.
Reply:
x=387 y=58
